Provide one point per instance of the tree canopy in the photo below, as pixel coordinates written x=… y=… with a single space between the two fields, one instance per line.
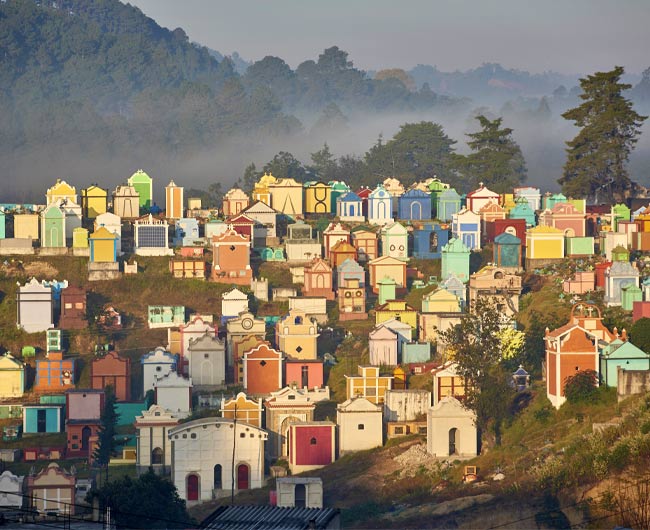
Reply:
x=597 y=157
x=149 y=501
x=417 y=151
x=478 y=349
x=496 y=159
x=640 y=334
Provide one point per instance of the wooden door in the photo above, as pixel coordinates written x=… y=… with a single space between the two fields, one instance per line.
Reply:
x=242 y=477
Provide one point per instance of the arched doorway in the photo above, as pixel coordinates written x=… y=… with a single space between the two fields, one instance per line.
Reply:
x=453 y=441
x=156 y=457
x=217 y=483
x=242 y=477
x=300 y=496
x=192 y=487
x=416 y=210
x=283 y=445
x=85 y=438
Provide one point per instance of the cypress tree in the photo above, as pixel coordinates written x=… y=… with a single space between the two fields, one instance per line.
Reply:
x=107 y=429
x=609 y=128
x=496 y=159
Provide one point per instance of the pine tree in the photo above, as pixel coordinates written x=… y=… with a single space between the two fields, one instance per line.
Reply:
x=597 y=156
x=496 y=160
x=107 y=429
x=250 y=178
x=324 y=164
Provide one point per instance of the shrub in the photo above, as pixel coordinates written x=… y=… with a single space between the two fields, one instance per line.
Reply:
x=542 y=415
x=581 y=387
x=620 y=456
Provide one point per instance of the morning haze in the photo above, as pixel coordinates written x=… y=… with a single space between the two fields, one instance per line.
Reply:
x=569 y=37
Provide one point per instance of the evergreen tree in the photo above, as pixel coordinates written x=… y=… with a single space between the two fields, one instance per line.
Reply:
x=250 y=178
x=609 y=127
x=324 y=164
x=107 y=430
x=496 y=160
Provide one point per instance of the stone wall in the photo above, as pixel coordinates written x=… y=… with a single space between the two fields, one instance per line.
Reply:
x=630 y=382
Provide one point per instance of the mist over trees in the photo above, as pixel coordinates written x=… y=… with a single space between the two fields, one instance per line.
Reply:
x=609 y=128
x=93 y=89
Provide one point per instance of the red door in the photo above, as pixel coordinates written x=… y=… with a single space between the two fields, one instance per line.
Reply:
x=192 y=488
x=242 y=477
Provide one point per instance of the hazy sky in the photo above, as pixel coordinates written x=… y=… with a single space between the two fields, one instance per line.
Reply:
x=569 y=36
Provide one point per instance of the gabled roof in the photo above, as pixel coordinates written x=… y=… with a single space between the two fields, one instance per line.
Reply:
x=349 y=265
x=492 y=207
x=241 y=218
x=319 y=265
x=9 y=362
x=481 y=192
x=350 y=196
x=394 y=325
x=343 y=246
x=358 y=404
x=102 y=218
x=234 y=294
x=619 y=349
x=259 y=207
x=440 y=294
x=446 y=369
x=386 y=260
x=394 y=228
x=379 y=192
x=456 y=246
x=286 y=182
x=386 y=306
x=102 y=233
x=381 y=332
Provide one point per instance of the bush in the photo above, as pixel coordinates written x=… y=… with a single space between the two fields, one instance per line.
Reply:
x=620 y=456
x=581 y=387
x=542 y=415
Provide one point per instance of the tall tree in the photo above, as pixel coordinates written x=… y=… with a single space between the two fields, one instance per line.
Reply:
x=477 y=346
x=418 y=151
x=250 y=178
x=324 y=164
x=107 y=430
x=496 y=159
x=609 y=127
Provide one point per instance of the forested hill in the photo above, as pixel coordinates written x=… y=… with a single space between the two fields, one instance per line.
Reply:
x=99 y=51
x=93 y=89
